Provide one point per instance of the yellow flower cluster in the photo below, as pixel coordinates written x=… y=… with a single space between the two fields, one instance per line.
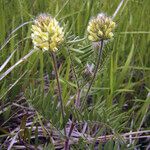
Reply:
x=46 y=33
x=100 y=28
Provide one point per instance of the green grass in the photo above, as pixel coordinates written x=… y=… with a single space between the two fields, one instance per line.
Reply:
x=120 y=101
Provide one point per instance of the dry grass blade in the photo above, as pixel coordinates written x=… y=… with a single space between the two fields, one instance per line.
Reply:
x=7 y=60
x=16 y=64
x=118 y=8
x=9 y=37
x=13 y=141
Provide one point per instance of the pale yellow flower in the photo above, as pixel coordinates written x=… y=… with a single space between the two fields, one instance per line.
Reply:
x=100 y=28
x=47 y=33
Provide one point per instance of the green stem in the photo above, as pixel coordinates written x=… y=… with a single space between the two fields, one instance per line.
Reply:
x=59 y=87
x=77 y=101
x=95 y=72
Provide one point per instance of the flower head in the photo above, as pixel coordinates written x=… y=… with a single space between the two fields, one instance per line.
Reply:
x=100 y=28
x=47 y=33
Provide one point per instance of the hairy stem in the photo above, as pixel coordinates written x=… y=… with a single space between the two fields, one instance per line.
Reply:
x=95 y=72
x=59 y=87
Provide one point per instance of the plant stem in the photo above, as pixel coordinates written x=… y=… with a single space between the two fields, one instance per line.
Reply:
x=77 y=101
x=73 y=69
x=95 y=72
x=59 y=87
x=69 y=134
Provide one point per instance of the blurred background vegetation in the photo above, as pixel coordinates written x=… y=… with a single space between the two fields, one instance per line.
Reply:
x=119 y=98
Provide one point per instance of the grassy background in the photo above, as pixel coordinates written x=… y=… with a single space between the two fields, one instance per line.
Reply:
x=123 y=81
